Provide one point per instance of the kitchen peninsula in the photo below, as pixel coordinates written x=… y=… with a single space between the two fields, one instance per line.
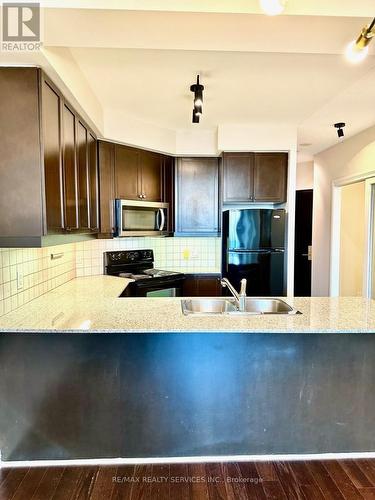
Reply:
x=135 y=378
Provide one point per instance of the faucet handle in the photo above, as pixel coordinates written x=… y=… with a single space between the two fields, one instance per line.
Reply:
x=243 y=286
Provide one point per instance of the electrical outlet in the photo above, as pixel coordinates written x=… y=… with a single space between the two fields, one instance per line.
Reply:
x=19 y=280
x=195 y=255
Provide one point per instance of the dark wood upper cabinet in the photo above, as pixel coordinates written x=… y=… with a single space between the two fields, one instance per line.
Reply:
x=238 y=170
x=70 y=169
x=132 y=174
x=270 y=176
x=83 y=176
x=151 y=175
x=254 y=177
x=168 y=189
x=44 y=165
x=106 y=188
x=53 y=179
x=127 y=174
x=93 y=183
x=138 y=174
x=197 y=209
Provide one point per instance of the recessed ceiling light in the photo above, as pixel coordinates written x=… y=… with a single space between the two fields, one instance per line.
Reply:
x=273 y=7
x=305 y=144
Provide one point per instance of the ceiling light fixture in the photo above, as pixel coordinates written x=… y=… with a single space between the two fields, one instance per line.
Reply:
x=272 y=7
x=340 y=126
x=357 y=50
x=197 y=88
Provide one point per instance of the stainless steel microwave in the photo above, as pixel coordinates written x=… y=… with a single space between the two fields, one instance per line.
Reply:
x=141 y=218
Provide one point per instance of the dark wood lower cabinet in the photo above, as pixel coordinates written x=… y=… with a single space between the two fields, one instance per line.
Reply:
x=202 y=285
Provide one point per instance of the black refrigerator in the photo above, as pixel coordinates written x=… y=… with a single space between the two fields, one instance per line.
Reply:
x=254 y=248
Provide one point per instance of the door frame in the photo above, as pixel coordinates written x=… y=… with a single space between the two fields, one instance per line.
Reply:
x=337 y=185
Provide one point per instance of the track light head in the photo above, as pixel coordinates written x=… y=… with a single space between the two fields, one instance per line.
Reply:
x=197 y=88
x=357 y=50
x=339 y=127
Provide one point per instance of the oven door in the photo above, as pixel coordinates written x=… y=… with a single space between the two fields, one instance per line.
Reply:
x=140 y=218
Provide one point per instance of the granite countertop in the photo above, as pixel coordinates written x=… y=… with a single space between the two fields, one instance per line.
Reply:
x=92 y=304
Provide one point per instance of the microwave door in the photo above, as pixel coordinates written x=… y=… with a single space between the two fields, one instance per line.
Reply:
x=141 y=218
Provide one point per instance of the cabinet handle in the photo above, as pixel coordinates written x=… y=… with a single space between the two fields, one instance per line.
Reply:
x=143 y=195
x=140 y=196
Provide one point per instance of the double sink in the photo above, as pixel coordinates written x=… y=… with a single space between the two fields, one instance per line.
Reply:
x=227 y=306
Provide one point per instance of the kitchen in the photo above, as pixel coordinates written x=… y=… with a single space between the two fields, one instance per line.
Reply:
x=176 y=231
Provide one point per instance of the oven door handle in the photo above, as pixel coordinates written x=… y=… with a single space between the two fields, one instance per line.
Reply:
x=162 y=219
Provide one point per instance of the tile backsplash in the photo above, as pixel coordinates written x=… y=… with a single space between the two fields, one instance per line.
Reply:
x=27 y=273
x=191 y=255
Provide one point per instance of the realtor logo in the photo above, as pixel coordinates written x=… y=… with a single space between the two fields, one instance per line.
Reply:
x=21 y=26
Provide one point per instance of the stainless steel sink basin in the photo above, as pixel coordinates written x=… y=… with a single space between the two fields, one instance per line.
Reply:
x=267 y=305
x=208 y=306
x=227 y=306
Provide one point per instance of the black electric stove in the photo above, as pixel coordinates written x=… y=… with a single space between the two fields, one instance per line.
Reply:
x=138 y=265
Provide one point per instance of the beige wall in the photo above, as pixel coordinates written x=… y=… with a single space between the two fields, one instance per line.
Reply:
x=305 y=175
x=352 y=239
x=353 y=157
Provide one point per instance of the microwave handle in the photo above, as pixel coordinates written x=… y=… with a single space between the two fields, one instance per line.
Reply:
x=162 y=219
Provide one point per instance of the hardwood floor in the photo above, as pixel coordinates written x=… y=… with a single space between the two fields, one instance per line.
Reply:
x=315 y=480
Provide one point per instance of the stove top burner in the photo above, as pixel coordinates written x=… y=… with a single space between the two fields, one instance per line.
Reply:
x=138 y=266
x=134 y=276
x=158 y=273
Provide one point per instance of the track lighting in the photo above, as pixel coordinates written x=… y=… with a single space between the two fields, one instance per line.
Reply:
x=195 y=116
x=357 y=50
x=340 y=126
x=197 y=88
x=272 y=7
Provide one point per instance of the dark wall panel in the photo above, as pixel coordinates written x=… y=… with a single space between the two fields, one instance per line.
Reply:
x=148 y=395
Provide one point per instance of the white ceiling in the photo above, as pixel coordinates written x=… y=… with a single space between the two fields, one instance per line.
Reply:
x=142 y=57
x=240 y=87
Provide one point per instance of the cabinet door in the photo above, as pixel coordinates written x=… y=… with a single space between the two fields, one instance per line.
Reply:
x=53 y=180
x=198 y=196
x=201 y=285
x=70 y=169
x=168 y=188
x=83 y=176
x=151 y=176
x=127 y=174
x=270 y=176
x=106 y=191
x=93 y=183
x=238 y=177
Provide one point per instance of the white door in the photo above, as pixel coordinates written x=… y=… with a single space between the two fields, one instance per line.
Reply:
x=369 y=260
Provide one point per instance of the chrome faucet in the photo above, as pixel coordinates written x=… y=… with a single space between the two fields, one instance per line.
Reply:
x=240 y=298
